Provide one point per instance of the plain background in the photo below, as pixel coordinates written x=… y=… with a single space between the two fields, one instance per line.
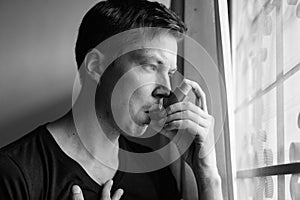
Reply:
x=37 y=63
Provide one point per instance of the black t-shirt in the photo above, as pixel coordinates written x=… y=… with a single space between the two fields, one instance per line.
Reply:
x=35 y=167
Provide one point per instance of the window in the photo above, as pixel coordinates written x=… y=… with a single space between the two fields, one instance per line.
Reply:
x=208 y=25
x=266 y=71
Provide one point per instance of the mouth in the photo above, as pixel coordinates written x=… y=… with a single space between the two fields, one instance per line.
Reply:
x=149 y=109
x=152 y=107
x=148 y=119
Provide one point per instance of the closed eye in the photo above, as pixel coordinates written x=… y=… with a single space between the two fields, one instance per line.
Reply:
x=150 y=67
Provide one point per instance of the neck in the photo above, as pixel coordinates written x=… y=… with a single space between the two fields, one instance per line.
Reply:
x=101 y=142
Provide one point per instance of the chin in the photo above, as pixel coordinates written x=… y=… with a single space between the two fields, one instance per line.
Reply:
x=136 y=130
x=139 y=131
x=138 y=125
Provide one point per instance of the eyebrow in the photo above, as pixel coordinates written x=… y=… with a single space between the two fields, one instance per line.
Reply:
x=143 y=56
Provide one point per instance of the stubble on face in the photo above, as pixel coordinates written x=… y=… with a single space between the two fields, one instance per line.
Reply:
x=134 y=98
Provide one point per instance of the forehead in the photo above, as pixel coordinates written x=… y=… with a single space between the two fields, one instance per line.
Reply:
x=161 y=49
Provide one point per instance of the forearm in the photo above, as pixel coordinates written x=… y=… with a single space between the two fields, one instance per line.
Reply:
x=208 y=184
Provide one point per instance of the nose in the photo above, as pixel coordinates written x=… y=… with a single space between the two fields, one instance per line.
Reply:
x=161 y=92
x=163 y=88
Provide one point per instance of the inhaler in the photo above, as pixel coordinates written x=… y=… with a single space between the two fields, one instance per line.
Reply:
x=178 y=95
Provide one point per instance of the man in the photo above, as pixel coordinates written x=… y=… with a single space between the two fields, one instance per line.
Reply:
x=79 y=156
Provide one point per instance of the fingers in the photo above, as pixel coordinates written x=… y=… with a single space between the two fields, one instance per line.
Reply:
x=106 y=190
x=184 y=106
x=77 y=193
x=117 y=194
x=181 y=139
x=157 y=114
x=188 y=115
x=188 y=125
x=200 y=95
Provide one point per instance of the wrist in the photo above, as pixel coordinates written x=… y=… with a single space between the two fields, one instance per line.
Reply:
x=207 y=172
x=208 y=180
x=206 y=167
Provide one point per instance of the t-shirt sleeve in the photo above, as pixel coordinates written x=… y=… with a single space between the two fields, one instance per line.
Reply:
x=12 y=181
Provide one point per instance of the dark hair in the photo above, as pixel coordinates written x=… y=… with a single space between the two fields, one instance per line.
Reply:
x=111 y=17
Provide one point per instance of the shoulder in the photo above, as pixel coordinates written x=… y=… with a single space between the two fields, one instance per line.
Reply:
x=13 y=183
x=20 y=162
x=25 y=154
x=22 y=149
x=24 y=146
x=9 y=168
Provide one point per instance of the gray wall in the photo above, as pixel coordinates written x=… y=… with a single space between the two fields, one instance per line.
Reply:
x=37 y=64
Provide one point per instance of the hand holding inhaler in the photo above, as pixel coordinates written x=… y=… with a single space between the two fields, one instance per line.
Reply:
x=185 y=123
x=158 y=114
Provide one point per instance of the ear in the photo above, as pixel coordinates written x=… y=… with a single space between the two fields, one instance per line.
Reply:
x=94 y=64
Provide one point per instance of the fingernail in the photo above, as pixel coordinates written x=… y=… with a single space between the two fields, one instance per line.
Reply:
x=76 y=189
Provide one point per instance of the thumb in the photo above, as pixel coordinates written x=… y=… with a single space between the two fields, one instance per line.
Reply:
x=77 y=193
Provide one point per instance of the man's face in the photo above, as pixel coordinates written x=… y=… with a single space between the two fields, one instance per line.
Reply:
x=139 y=80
